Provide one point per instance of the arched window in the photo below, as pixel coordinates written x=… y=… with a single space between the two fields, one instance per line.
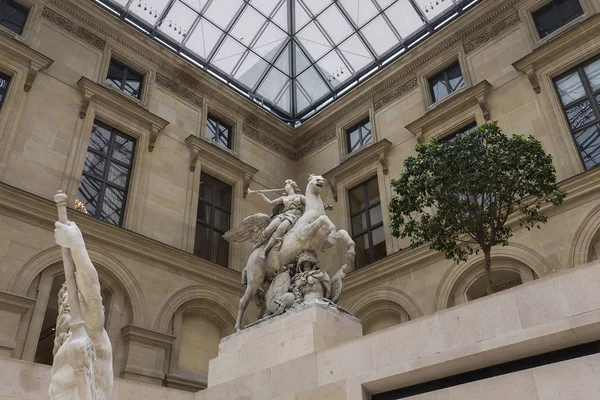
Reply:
x=381 y=314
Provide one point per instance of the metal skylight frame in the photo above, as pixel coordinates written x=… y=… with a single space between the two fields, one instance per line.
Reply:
x=303 y=101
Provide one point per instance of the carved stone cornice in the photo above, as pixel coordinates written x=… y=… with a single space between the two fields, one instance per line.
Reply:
x=318 y=142
x=491 y=32
x=178 y=89
x=40 y=212
x=118 y=102
x=15 y=303
x=26 y=56
x=203 y=149
x=474 y=96
x=373 y=153
x=557 y=47
x=268 y=141
x=396 y=93
x=73 y=28
x=146 y=336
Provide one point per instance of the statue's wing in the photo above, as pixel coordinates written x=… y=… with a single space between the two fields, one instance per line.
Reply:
x=337 y=284
x=279 y=286
x=250 y=228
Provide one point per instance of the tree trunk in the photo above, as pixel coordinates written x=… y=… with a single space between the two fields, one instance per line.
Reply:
x=487 y=256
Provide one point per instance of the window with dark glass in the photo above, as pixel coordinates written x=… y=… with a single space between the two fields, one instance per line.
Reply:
x=446 y=82
x=465 y=129
x=13 y=15
x=4 y=81
x=214 y=213
x=106 y=174
x=125 y=79
x=555 y=15
x=218 y=131
x=366 y=220
x=359 y=135
x=579 y=92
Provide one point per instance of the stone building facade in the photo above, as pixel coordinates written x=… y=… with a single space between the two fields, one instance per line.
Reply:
x=167 y=305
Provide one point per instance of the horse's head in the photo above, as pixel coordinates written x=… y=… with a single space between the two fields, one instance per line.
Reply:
x=315 y=183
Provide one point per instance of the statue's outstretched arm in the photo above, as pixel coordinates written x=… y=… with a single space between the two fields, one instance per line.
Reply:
x=88 y=285
x=270 y=203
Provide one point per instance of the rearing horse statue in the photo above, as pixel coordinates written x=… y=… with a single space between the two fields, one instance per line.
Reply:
x=313 y=231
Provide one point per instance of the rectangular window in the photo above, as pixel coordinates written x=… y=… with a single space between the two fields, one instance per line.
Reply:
x=366 y=220
x=218 y=131
x=359 y=135
x=106 y=173
x=555 y=15
x=579 y=92
x=125 y=79
x=13 y=15
x=446 y=82
x=213 y=219
x=4 y=81
x=465 y=129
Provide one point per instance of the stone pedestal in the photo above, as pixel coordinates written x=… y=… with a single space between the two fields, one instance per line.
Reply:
x=278 y=356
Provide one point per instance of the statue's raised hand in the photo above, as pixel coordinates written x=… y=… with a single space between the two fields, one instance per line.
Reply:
x=68 y=235
x=250 y=191
x=328 y=207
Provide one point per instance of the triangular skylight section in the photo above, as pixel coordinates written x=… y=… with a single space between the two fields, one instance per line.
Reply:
x=290 y=55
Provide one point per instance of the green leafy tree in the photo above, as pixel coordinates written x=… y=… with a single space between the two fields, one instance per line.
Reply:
x=458 y=195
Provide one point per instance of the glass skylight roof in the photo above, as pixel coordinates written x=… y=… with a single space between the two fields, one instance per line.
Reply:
x=290 y=56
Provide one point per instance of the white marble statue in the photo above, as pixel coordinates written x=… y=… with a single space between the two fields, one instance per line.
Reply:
x=82 y=367
x=312 y=231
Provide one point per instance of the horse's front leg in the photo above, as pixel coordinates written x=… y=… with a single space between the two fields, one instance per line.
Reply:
x=342 y=234
x=310 y=230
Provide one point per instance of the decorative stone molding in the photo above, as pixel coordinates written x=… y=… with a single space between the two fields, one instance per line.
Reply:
x=219 y=157
x=318 y=142
x=178 y=89
x=558 y=46
x=456 y=103
x=25 y=56
x=73 y=28
x=268 y=141
x=180 y=381
x=96 y=93
x=491 y=32
x=398 y=92
x=12 y=307
x=146 y=354
x=374 y=153
x=386 y=294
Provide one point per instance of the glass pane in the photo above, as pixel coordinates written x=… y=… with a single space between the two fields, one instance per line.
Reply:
x=569 y=10
x=378 y=244
x=570 y=88
x=150 y=10
x=334 y=69
x=13 y=16
x=206 y=187
x=405 y=19
x=373 y=191
x=251 y=69
x=248 y=25
x=88 y=194
x=203 y=38
x=359 y=223
x=178 y=21
x=375 y=215
x=455 y=78
x=204 y=212
x=221 y=12
x=360 y=11
x=221 y=220
x=222 y=195
x=366 y=135
x=357 y=198
x=273 y=84
x=211 y=128
x=362 y=251
x=355 y=52
x=312 y=84
x=123 y=149
x=335 y=24
x=580 y=114
x=546 y=20
x=201 y=248
x=223 y=138
x=115 y=74
x=221 y=251
x=588 y=141
x=112 y=205
x=228 y=55
x=117 y=175
x=354 y=140
x=379 y=35
x=592 y=71
x=4 y=81
x=100 y=138
x=94 y=164
x=433 y=9
x=133 y=84
x=313 y=40
x=439 y=90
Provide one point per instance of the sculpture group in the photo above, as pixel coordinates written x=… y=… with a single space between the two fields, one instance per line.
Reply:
x=283 y=270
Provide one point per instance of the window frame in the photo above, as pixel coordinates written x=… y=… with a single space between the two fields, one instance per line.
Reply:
x=463 y=129
x=18 y=5
x=444 y=72
x=104 y=182
x=359 y=126
x=590 y=95
x=8 y=79
x=126 y=69
x=553 y=4
x=220 y=122
x=211 y=224
x=366 y=210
